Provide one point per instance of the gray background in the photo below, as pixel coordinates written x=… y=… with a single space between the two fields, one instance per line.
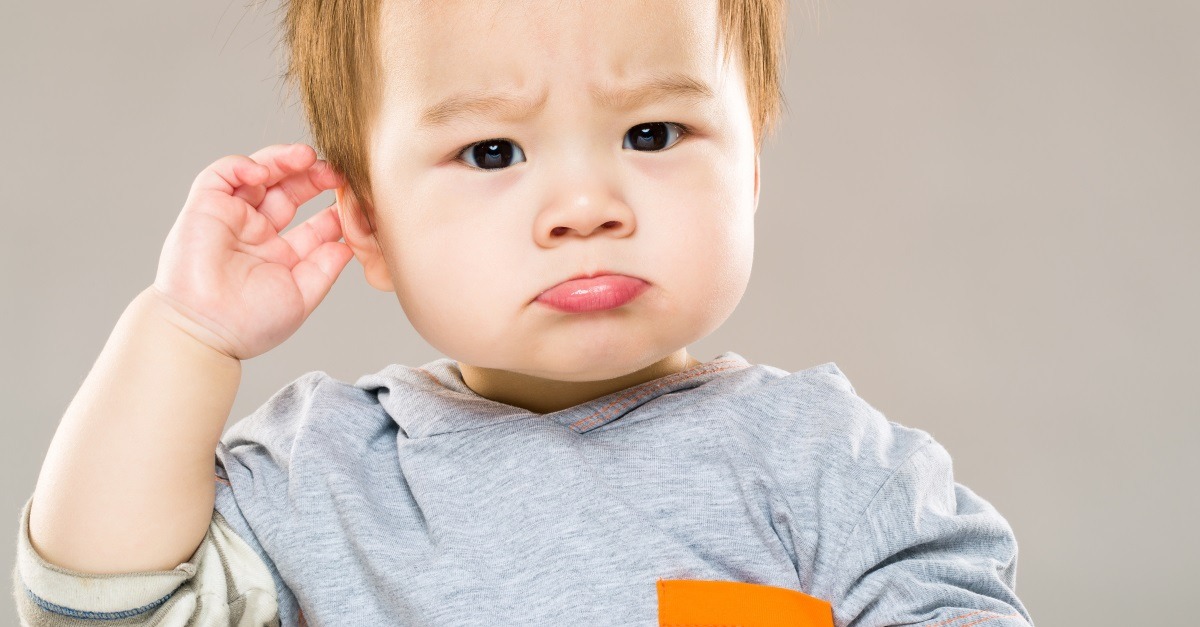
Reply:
x=986 y=213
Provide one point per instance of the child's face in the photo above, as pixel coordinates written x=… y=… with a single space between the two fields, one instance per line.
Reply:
x=573 y=188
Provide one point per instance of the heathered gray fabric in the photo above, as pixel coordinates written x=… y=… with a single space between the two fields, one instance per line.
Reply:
x=223 y=583
x=407 y=499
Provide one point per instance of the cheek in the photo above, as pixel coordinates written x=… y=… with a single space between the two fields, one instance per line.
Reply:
x=456 y=283
x=702 y=232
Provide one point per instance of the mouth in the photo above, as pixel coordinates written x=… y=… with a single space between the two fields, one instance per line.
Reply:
x=593 y=291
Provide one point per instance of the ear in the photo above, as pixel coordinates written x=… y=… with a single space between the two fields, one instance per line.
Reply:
x=756 y=163
x=361 y=239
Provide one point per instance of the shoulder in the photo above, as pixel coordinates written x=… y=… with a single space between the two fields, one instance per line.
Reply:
x=314 y=403
x=285 y=409
x=829 y=449
x=297 y=435
x=814 y=417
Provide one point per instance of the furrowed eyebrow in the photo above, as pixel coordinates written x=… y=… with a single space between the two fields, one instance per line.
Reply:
x=481 y=103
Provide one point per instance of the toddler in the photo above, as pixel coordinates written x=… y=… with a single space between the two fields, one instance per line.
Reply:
x=562 y=197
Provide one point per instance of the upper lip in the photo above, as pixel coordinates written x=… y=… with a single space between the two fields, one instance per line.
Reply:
x=589 y=275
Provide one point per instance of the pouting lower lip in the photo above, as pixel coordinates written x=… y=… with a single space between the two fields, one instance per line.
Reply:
x=593 y=294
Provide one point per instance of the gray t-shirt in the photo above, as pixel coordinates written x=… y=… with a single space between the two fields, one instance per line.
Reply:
x=406 y=498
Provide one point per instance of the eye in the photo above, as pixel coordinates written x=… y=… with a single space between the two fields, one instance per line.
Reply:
x=496 y=154
x=491 y=152
x=653 y=135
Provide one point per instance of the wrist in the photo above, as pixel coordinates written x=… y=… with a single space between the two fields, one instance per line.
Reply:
x=184 y=322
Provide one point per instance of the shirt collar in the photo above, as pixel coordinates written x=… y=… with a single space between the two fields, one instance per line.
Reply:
x=433 y=399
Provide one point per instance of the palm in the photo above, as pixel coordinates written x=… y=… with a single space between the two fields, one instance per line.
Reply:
x=254 y=282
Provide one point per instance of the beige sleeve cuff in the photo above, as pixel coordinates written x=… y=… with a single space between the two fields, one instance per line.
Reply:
x=224 y=583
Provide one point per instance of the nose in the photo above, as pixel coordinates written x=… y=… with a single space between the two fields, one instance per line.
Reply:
x=584 y=201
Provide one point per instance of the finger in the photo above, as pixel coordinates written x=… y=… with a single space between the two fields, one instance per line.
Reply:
x=307 y=236
x=252 y=194
x=281 y=201
x=315 y=274
x=228 y=173
x=280 y=160
x=284 y=160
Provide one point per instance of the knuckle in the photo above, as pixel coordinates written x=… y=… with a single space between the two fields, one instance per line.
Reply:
x=291 y=195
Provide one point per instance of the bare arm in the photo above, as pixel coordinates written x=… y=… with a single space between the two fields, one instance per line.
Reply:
x=136 y=444
x=127 y=484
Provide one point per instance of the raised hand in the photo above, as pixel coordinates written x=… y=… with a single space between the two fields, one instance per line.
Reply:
x=237 y=283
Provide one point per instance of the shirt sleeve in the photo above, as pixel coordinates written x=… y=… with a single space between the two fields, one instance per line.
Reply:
x=223 y=583
x=928 y=551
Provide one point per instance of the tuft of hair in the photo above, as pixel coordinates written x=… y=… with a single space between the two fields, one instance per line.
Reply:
x=332 y=59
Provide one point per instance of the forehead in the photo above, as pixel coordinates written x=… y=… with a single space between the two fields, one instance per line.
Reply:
x=434 y=49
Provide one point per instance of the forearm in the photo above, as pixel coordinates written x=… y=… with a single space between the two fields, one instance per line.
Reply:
x=127 y=483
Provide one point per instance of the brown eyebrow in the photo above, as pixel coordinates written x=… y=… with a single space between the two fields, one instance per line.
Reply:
x=481 y=103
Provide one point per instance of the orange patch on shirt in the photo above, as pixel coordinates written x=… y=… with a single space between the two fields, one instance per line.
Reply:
x=704 y=603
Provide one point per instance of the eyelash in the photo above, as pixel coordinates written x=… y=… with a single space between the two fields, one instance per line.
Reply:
x=684 y=132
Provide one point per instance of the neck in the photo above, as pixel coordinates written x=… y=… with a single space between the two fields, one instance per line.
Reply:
x=541 y=396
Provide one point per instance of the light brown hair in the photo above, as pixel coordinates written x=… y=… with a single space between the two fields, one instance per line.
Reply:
x=333 y=60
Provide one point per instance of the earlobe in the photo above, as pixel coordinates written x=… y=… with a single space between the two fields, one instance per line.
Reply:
x=362 y=239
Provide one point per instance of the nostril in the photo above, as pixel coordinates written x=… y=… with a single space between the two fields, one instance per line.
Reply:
x=610 y=224
x=558 y=230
